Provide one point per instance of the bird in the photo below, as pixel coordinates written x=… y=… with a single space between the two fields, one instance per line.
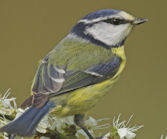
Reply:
x=79 y=71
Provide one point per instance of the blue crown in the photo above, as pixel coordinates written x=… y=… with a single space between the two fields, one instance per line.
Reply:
x=80 y=27
x=101 y=13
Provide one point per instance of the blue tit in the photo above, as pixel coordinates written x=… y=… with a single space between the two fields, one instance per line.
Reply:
x=79 y=71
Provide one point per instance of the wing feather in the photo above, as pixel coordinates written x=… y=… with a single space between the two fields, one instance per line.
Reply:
x=92 y=75
x=47 y=79
x=84 y=65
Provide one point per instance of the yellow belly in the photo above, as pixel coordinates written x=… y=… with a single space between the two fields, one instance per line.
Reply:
x=81 y=100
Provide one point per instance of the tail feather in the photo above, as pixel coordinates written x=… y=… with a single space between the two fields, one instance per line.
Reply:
x=38 y=117
x=26 y=124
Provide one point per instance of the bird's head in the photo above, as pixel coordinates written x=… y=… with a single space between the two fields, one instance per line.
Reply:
x=108 y=28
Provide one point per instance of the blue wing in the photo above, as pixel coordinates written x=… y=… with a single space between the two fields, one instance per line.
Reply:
x=95 y=74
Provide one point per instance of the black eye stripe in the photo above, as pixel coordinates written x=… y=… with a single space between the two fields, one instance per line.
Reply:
x=116 y=21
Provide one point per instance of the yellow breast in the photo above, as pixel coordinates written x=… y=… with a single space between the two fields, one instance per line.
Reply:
x=81 y=100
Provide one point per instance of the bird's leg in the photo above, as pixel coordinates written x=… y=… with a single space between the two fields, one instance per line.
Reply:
x=12 y=136
x=79 y=121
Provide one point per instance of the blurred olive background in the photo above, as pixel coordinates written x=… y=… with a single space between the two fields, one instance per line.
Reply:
x=29 y=29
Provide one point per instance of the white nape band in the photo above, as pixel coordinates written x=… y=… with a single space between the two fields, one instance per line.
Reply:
x=76 y=37
x=86 y=21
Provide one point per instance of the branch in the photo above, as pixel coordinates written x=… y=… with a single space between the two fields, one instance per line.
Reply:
x=52 y=127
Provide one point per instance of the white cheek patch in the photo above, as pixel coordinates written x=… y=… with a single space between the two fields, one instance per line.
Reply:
x=108 y=33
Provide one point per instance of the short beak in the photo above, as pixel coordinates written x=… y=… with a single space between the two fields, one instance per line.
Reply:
x=139 y=21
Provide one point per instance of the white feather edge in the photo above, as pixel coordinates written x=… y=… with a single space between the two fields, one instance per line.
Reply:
x=94 y=73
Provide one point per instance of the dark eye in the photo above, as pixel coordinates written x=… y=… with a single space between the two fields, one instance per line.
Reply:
x=114 y=21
